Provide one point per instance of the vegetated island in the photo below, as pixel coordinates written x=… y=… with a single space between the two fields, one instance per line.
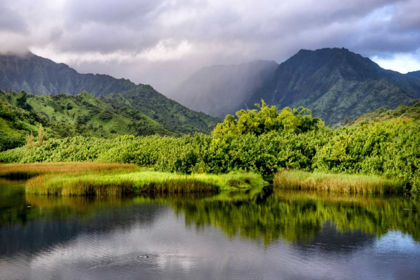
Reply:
x=376 y=153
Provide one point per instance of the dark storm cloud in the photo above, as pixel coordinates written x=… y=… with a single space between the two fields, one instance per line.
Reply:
x=172 y=38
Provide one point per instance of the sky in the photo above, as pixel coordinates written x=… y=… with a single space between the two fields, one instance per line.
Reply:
x=162 y=42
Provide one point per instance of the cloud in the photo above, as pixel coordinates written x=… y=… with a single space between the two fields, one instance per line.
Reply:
x=151 y=39
x=400 y=62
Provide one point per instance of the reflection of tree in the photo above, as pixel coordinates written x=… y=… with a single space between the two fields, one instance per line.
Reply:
x=371 y=214
x=290 y=215
x=297 y=216
x=268 y=219
x=52 y=220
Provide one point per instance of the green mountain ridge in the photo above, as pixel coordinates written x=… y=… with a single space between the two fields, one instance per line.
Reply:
x=65 y=115
x=337 y=84
x=402 y=112
x=41 y=76
x=414 y=74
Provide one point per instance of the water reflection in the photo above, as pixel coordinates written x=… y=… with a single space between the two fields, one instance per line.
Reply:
x=298 y=216
x=231 y=235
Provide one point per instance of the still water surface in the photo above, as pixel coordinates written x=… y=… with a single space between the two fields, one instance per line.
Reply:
x=281 y=235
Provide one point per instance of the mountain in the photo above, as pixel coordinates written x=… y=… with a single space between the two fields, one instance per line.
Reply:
x=222 y=89
x=65 y=115
x=41 y=76
x=414 y=74
x=336 y=84
x=411 y=112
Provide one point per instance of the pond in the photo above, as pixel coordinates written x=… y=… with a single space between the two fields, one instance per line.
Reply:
x=248 y=235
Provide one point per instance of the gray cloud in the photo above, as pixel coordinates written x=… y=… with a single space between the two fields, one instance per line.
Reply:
x=161 y=42
x=10 y=20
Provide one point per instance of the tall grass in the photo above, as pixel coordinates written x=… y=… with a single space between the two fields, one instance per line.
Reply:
x=345 y=183
x=139 y=182
x=25 y=171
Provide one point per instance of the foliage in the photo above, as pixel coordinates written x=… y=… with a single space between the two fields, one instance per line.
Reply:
x=24 y=171
x=66 y=115
x=122 y=183
x=389 y=148
x=266 y=120
x=83 y=114
x=41 y=135
x=345 y=183
x=401 y=112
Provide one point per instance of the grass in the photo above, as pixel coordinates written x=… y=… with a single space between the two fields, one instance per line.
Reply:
x=345 y=183
x=25 y=171
x=70 y=179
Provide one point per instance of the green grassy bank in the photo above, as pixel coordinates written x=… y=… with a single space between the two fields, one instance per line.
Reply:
x=123 y=183
x=345 y=183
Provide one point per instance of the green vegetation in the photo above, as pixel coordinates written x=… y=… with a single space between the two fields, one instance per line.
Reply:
x=385 y=148
x=267 y=120
x=347 y=183
x=68 y=115
x=381 y=114
x=121 y=107
x=123 y=183
x=92 y=178
x=24 y=171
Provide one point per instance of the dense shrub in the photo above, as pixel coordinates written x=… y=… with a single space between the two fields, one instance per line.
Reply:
x=267 y=119
x=389 y=147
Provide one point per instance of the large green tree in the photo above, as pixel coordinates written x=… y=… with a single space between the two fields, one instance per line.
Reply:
x=266 y=119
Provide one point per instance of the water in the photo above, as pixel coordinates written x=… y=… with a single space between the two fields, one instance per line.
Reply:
x=281 y=235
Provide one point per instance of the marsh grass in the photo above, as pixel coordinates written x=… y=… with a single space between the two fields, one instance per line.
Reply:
x=345 y=183
x=123 y=183
x=26 y=171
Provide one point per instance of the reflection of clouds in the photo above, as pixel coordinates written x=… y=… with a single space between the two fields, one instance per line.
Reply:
x=397 y=242
x=120 y=248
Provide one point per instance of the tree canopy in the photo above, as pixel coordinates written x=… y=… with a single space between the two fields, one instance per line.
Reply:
x=266 y=119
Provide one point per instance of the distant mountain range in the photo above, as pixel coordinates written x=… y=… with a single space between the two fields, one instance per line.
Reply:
x=222 y=89
x=336 y=84
x=414 y=74
x=40 y=76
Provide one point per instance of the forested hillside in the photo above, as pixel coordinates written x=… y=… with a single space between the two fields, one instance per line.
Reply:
x=402 y=112
x=65 y=115
x=41 y=76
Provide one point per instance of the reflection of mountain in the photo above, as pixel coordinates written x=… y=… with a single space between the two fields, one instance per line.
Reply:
x=331 y=240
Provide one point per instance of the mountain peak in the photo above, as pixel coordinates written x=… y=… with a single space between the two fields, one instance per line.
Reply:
x=335 y=83
x=325 y=50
